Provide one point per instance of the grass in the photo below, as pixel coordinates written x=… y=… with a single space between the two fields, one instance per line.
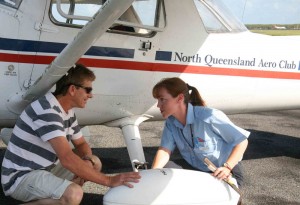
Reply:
x=278 y=32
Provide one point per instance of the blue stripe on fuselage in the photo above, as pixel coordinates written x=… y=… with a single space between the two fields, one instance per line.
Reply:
x=50 y=47
x=163 y=55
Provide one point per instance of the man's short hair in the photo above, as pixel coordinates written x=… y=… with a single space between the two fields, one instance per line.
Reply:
x=75 y=75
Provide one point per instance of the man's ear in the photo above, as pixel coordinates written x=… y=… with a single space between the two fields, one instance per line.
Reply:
x=71 y=90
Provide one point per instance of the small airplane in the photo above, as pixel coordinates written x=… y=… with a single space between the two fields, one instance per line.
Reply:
x=131 y=45
x=279 y=27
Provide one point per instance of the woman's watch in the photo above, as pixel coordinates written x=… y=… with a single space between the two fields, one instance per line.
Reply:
x=89 y=159
x=227 y=166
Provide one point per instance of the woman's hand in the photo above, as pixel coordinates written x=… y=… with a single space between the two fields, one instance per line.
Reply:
x=222 y=173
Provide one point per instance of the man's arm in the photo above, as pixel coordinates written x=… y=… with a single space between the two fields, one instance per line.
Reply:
x=82 y=148
x=76 y=165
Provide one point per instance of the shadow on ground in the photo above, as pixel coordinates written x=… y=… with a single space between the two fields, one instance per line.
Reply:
x=267 y=144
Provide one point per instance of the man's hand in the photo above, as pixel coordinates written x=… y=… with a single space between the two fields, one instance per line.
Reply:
x=78 y=180
x=124 y=179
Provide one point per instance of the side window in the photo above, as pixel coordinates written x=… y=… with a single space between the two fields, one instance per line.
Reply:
x=72 y=12
x=140 y=18
x=11 y=3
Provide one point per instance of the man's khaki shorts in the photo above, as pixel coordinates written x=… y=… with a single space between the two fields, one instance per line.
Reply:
x=40 y=184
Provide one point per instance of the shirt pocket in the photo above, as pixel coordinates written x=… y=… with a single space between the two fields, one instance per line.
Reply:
x=204 y=147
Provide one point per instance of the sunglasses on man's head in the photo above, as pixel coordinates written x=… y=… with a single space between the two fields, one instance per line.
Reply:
x=88 y=90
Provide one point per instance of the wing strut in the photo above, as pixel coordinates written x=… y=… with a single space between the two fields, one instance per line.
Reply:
x=94 y=29
x=131 y=134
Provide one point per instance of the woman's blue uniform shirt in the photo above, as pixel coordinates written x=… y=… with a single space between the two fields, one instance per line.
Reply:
x=213 y=135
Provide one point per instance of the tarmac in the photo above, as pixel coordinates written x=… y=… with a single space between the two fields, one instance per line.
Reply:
x=271 y=162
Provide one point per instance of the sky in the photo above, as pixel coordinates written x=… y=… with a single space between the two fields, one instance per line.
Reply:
x=265 y=11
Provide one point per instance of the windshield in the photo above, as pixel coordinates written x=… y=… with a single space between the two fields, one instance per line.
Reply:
x=217 y=18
